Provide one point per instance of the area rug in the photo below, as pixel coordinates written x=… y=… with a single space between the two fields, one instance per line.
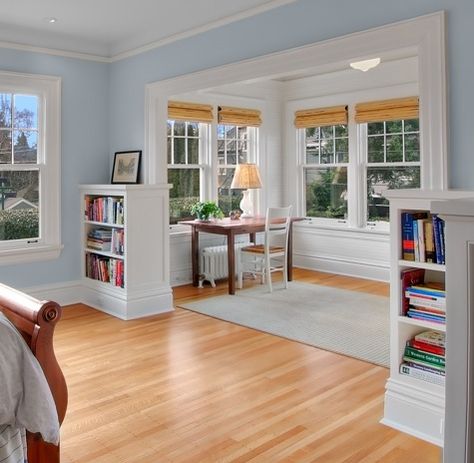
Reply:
x=347 y=322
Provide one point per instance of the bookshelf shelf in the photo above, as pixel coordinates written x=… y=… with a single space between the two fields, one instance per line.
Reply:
x=424 y=324
x=424 y=265
x=104 y=253
x=103 y=224
x=129 y=279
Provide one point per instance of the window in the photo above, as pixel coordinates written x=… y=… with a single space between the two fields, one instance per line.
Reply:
x=393 y=162
x=326 y=158
x=345 y=180
x=29 y=167
x=186 y=156
x=232 y=149
x=203 y=155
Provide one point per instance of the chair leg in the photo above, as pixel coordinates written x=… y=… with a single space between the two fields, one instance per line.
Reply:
x=268 y=273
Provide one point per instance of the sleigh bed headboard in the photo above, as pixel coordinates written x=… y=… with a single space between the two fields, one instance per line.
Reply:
x=36 y=321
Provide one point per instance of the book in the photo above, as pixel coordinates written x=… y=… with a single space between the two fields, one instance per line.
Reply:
x=425 y=375
x=410 y=277
x=430 y=288
x=438 y=350
x=416 y=240
x=429 y=242
x=427 y=303
x=438 y=238
x=433 y=337
x=408 y=244
x=421 y=240
x=425 y=357
x=427 y=317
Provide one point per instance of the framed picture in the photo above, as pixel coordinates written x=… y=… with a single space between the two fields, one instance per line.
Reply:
x=126 y=167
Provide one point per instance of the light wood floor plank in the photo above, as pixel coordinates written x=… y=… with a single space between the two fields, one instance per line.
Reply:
x=186 y=388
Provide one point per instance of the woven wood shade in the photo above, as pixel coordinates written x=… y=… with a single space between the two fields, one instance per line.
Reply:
x=387 y=110
x=239 y=116
x=320 y=117
x=190 y=111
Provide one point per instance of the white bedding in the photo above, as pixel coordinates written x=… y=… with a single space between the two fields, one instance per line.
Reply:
x=25 y=398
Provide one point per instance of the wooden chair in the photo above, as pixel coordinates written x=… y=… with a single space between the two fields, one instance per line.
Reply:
x=271 y=256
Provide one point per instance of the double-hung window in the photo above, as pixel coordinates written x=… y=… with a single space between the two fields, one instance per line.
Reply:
x=389 y=136
x=324 y=161
x=341 y=180
x=188 y=142
x=29 y=167
x=200 y=169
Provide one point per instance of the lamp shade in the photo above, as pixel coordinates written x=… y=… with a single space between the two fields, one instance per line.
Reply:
x=246 y=176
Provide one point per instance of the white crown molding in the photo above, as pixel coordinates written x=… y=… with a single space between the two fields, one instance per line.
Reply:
x=199 y=30
x=271 y=4
x=55 y=52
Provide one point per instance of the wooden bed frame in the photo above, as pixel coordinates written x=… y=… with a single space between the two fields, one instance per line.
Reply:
x=36 y=321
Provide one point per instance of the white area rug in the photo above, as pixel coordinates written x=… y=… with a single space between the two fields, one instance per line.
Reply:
x=347 y=322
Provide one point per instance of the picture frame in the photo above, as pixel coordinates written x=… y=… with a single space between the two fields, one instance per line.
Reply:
x=126 y=167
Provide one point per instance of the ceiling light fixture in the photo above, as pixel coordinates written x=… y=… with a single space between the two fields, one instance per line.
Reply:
x=365 y=65
x=50 y=20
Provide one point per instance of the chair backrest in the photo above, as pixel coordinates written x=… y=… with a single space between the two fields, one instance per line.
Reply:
x=277 y=223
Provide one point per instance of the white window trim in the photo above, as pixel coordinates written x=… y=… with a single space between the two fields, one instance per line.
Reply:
x=204 y=167
x=48 y=246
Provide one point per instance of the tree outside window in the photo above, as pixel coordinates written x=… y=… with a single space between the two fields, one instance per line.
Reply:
x=20 y=169
x=326 y=157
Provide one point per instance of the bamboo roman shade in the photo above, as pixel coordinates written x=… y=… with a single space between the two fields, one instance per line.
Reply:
x=239 y=116
x=387 y=110
x=189 y=111
x=320 y=117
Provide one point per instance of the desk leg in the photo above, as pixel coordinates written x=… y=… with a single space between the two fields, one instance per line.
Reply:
x=253 y=237
x=231 y=261
x=195 y=256
x=290 y=253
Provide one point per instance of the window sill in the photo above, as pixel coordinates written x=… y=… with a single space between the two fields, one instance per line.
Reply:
x=341 y=227
x=25 y=255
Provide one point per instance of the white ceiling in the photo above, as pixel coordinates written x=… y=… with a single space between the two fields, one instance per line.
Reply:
x=109 y=28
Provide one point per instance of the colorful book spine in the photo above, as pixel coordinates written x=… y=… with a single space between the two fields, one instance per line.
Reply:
x=436 y=338
x=421 y=240
x=429 y=242
x=427 y=303
x=408 y=243
x=431 y=359
x=424 y=375
x=438 y=350
x=416 y=240
x=410 y=277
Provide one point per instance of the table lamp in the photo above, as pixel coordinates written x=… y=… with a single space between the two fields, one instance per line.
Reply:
x=246 y=177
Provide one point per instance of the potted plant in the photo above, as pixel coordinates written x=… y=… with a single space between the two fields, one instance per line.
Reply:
x=205 y=210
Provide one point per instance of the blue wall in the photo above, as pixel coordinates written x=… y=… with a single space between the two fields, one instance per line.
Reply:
x=103 y=104
x=293 y=25
x=84 y=140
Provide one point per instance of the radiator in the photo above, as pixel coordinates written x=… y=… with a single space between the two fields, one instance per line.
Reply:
x=213 y=263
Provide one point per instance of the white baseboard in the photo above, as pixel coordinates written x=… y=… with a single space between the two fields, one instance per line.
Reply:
x=369 y=270
x=64 y=293
x=74 y=292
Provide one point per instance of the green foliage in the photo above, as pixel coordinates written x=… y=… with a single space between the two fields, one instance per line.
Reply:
x=325 y=195
x=205 y=210
x=19 y=224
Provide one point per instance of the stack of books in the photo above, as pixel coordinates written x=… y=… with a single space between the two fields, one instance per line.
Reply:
x=99 y=239
x=427 y=301
x=105 y=269
x=106 y=209
x=423 y=237
x=425 y=357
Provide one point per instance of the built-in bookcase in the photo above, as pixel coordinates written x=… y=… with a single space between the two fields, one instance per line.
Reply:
x=414 y=403
x=124 y=245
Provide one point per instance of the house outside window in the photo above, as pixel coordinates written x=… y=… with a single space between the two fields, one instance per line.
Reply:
x=29 y=167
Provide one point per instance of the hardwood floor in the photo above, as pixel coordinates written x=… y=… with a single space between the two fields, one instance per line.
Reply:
x=182 y=387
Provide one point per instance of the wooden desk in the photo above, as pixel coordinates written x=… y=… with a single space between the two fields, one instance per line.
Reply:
x=231 y=228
